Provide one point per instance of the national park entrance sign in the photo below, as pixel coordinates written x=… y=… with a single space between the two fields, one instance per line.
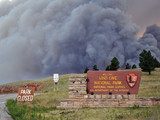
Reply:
x=106 y=89
x=113 y=82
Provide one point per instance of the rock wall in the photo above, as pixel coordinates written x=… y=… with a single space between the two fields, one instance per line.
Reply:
x=79 y=98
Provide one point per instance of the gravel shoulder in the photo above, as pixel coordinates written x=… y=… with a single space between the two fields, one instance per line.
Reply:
x=3 y=110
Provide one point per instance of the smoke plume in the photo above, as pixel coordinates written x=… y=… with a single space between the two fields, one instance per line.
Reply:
x=39 y=38
x=144 y=12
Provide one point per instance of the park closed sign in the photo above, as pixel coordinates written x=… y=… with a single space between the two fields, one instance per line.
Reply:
x=26 y=94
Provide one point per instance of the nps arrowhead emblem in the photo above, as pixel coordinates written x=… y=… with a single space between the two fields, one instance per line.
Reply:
x=131 y=80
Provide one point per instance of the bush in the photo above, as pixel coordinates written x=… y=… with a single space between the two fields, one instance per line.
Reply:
x=128 y=66
x=108 y=68
x=86 y=70
x=135 y=106
x=134 y=66
x=15 y=111
x=95 y=68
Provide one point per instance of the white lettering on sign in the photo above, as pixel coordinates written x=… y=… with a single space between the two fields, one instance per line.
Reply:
x=25 y=94
x=25 y=98
x=27 y=91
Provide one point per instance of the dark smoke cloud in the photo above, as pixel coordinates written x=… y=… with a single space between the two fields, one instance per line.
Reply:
x=155 y=31
x=38 y=38
x=151 y=40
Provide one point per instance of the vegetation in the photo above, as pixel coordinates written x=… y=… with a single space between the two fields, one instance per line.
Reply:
x=17 y=112
x=147 y=61
x=128 y=66
x=108 y=68
x=43 y=106
x=86 y=70
x=134 y=66
x=95 y=68
x=114 y=64
x=157 y=63
x=43 y=103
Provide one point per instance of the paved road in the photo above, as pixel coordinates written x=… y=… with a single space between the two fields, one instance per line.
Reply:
x=3 y=113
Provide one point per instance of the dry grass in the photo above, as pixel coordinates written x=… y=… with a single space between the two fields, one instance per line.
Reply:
x=150 y=84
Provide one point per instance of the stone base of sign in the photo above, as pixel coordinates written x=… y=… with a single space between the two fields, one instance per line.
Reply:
x=101 y=102
x=78 y=97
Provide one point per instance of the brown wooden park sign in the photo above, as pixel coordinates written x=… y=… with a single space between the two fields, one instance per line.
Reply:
x=113 y=82
x=26 y=94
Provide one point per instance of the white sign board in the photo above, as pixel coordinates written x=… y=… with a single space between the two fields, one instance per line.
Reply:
x=56 y=78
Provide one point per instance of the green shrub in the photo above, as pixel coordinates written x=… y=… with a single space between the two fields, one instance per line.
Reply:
x=119 y=116
x=15 y=111
x=135 y=106
x=18 y=112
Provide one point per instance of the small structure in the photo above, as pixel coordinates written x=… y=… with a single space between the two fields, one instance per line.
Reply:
x=86 y=91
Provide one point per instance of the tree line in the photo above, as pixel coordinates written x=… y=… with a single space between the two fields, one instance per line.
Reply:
x=147 y=63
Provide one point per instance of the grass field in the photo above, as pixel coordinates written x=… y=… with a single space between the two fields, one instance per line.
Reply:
x=44 y=105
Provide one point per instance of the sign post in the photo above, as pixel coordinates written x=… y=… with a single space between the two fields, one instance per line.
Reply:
x=56 y=79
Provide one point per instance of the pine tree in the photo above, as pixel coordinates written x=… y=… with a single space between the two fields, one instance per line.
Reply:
x=95 y=68
x=86 y=70
x=147 y=62
x=128 y=66
x=108 y=68
x=157 y=63
x=114 y=64
x=134 y=66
